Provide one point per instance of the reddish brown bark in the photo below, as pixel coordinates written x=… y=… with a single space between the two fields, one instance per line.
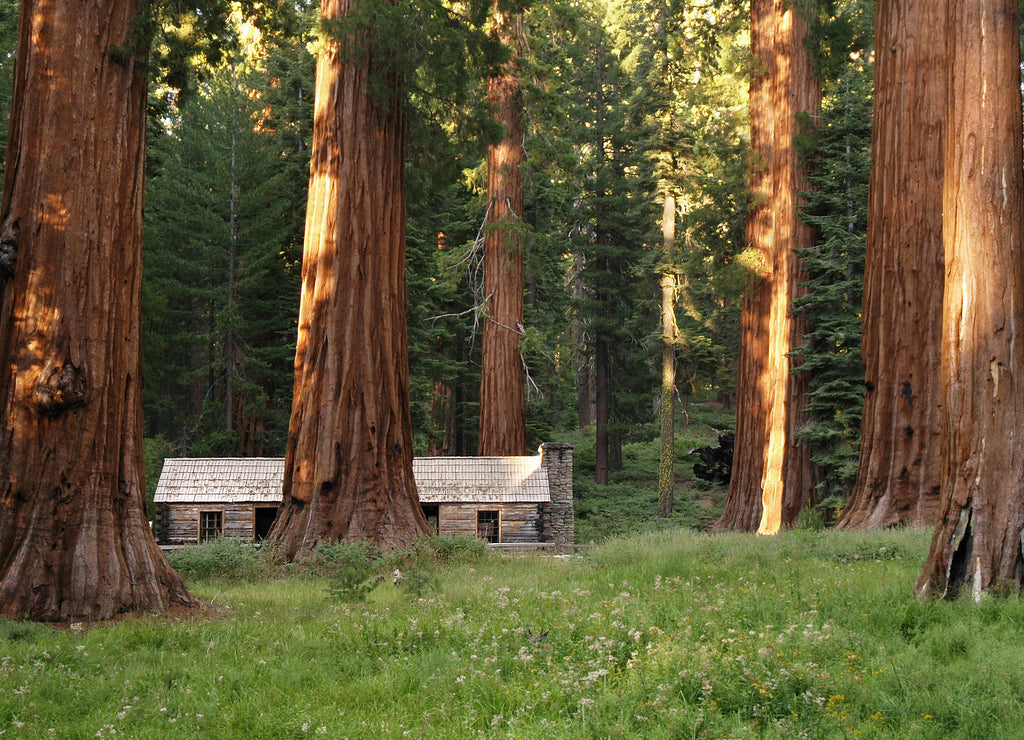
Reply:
x=899 y=474
x=742 y=510
x=74 y=540
x=772 y=477
x=797 y=90
x=977 y=544
x=502 y=392
x=348 y=467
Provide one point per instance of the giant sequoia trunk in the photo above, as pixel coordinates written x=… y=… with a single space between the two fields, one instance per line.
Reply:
x=899 y=474
x=348 y=467
x=789 y=476
x=977 y=544
x=742 y=510
x=772 y=477
x=502 y=396
x=74 y=541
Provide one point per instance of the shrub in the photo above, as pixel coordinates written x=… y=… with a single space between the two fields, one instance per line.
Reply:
x=223 y=558
x=449 y=549
x=352 y=568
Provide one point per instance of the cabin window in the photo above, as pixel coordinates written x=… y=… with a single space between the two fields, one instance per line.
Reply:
x=262 y=519
x=211 y=525
x=488 y=527
x=432 y=513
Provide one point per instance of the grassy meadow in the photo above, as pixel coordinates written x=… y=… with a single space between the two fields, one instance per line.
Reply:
x=671 y=634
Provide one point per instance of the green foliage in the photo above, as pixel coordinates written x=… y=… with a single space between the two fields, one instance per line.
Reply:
x=458 y=550
x=839 y=148
x=221 y=275
x=8 y=49
x=428 y=56
x=353 y=568
x=443 y=358
x=221 y=559
x=588 y=180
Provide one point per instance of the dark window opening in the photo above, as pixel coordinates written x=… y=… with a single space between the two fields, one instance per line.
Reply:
x=487 y=526
x=263 y=519
x=432 y=513
x=211 y=525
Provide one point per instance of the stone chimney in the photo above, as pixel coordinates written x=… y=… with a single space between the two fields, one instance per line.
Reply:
x=556 y=459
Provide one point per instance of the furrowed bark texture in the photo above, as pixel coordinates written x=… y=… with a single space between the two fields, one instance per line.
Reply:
x=348 y=467
x=742 y=510
x=772 y=477
x=899 y=476
x=977 y=544
x=502 y=393
x=74 y=540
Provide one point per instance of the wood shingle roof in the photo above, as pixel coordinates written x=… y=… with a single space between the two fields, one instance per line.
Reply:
x=438 y=480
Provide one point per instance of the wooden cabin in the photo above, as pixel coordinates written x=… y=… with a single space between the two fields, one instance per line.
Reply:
x=502 y=500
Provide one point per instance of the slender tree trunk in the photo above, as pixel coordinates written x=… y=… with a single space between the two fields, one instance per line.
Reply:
x=601 y=415
x=348 y=467
x=773 y=478
x=977 y=544
x=74 y=540
x=899 y=474
x=502 y=396
x=442 y=420
x=614 y=450
x=667 y=467
x=602 y=360
x=584 y=358
x=229 y=329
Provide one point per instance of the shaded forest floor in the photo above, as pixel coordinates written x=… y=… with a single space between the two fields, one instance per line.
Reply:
x=629 y=502
x=661 y=635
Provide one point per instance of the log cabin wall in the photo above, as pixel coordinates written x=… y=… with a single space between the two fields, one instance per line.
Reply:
x=519 y=523
x=179 y=523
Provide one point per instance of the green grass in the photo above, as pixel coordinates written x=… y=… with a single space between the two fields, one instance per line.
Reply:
x=664 y=635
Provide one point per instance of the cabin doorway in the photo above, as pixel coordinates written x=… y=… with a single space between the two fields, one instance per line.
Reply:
x=432 y=513
x=263 y=520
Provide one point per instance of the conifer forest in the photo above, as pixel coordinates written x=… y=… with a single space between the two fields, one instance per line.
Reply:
x=373 y=229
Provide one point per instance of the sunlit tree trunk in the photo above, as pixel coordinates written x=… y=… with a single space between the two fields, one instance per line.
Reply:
x=977 y=544
x=788 y=478
x=743 y=508
x=348 y=468
x=772 y=477
x=502 y=395
x=74 y=540
x=667 y=466
x=899 y=474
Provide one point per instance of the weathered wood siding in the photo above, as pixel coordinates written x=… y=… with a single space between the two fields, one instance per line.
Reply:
x=519 y=522
x=180 y=522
